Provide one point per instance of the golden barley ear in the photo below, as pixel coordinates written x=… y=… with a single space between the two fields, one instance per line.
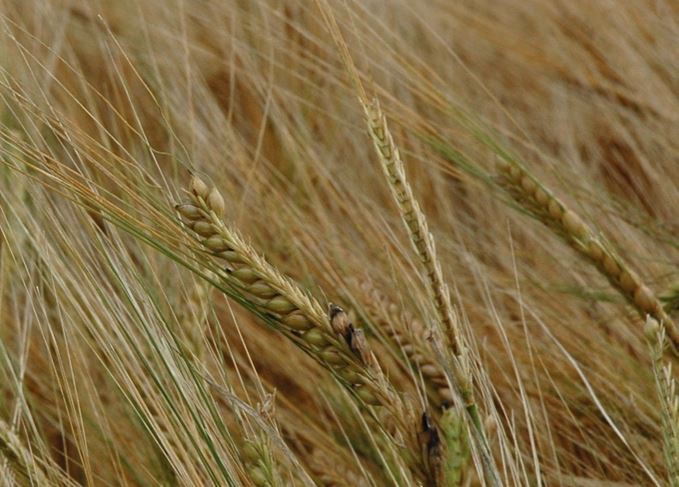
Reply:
x=526 y=190
x=329 y=337
x=451 y=351
x=269 y=292
x=414 y=221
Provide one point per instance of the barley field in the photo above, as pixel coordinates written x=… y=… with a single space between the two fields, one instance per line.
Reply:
x=339 y=243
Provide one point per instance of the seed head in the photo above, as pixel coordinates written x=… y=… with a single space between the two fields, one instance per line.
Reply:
x=280 y=305
x=298 y=321
x=643 y=298
x=315 y=337
x=628 y=281
x=573 y=224
x=216 y=243
x=203 y=228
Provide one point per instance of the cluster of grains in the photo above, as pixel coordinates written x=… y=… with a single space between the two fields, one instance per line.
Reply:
x=259 y=463
x=19 y=458
x=528 y=192
x=194 y=319
x=413 y=218
x=328 y=474
x=330 y=337
x=667 y=394
x=431 y=450
x=408 y=334
x=274 y=295
x=457 y=455
x=457 y=366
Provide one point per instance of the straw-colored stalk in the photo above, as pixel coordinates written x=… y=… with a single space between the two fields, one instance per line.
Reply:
x=666 y=389
x=531 y=194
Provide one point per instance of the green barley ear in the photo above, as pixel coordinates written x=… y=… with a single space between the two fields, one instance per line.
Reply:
x=457 y=454
x=20 y=460
x=259 y=462
x=666 y=389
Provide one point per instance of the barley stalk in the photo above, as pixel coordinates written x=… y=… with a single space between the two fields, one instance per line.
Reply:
x=531 y=194
x=666 y=389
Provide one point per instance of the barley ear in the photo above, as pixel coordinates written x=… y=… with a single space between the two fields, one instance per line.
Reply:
x=530 y=193
x=666 y=388
x=330 y=337
x=447 y=323
x=20 y=460
x=413 y=219
x=457 y=454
